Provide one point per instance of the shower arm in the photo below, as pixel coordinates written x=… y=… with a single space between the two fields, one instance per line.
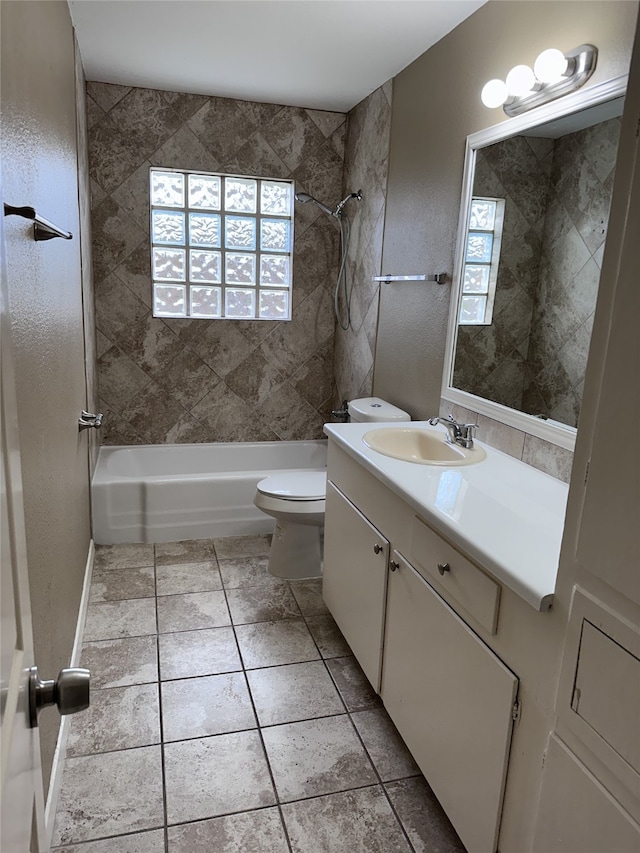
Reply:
x=338 y=211
x=303 y=198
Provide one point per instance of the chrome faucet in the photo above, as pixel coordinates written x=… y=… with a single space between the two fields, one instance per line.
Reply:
x=461 y=434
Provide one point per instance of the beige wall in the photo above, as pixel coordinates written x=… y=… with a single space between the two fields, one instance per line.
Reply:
x=39 y=168
x=436 y=105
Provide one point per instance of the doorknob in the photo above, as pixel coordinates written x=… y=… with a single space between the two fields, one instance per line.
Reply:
x=87 y=420
x=70 y=692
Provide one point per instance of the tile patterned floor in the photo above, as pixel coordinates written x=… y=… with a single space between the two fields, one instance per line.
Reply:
x=229 y=715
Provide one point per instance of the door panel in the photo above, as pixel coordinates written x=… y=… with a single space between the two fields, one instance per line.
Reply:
x=21 y=790
x=452 y=701
x=355 y=580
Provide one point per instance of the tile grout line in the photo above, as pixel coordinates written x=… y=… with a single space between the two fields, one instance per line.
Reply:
x=160 y=714
x=304 y=616
x=361 y=740
x=255 y=713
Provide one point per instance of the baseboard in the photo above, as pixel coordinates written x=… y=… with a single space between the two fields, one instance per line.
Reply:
x=57 y=766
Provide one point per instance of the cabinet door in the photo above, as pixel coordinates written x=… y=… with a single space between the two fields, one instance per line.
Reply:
x=355 y=579
x=452 y=701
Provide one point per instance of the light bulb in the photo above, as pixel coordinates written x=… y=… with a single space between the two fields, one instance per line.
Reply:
x=494 y=93
x=550 y=66
x=520 y=80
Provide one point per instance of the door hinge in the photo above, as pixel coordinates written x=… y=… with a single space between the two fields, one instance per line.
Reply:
x=515 y=711
x=586 y=472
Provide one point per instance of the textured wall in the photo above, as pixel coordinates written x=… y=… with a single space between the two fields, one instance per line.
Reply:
x=200 y=380
x=39 y=168
x=575 y=230
x=491 y=360
x=365 y=167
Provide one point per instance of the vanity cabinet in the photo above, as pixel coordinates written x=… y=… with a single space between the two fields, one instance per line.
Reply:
x=452 y=700
x=355 y=580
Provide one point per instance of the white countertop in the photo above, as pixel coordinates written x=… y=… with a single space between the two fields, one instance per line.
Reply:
x=504 y=514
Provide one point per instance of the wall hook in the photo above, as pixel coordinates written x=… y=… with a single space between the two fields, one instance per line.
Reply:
x=42 y=228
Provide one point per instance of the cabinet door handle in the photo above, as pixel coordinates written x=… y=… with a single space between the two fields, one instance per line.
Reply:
x=377 y=548
x=393 y=565
x=443 y=568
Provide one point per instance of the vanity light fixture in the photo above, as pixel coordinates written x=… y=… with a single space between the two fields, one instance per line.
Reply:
x=554 y=74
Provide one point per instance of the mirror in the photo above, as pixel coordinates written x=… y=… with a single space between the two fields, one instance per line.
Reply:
x=533 y=222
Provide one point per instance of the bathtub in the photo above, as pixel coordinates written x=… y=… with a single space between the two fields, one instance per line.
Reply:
x=167 y=492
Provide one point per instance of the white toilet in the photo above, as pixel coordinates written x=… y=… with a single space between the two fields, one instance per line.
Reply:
x=296 y=499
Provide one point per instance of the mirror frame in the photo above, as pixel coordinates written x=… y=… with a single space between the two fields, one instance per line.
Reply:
x=564 y=436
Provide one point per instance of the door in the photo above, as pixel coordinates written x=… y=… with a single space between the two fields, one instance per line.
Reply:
x=21 y=789
x=355 y=580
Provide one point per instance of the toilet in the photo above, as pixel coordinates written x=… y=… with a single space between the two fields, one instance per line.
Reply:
x=296 y=499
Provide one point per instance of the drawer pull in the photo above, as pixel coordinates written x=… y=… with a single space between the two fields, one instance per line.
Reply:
x=444 y=567
x=393 y=565
x=377 y=549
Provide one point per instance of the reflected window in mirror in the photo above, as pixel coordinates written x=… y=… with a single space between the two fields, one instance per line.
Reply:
x=481 y=260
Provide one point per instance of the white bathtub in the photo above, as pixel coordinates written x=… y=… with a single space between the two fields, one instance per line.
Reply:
x=168 y=492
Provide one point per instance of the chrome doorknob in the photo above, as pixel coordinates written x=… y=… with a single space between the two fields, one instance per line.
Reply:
x=69 y=691
x=443 y=568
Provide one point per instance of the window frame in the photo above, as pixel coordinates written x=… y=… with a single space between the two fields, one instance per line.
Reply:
x=219 y=250
x=492 y=264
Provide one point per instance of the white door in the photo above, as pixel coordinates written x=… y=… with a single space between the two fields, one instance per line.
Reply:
x=21 y=789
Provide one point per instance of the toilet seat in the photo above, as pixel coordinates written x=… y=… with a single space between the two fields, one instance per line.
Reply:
x=295 y=486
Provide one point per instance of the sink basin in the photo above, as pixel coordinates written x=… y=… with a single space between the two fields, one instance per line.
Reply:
x=427 y=447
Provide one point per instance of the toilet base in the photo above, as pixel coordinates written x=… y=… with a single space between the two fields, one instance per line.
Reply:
x=296 y=551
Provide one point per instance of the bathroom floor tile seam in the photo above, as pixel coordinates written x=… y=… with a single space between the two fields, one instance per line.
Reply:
x=164 y=741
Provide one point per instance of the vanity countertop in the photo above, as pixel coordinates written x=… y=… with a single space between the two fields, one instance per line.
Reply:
x=504 y=514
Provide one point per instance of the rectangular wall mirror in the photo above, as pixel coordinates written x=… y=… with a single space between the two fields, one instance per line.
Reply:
x=533 y=221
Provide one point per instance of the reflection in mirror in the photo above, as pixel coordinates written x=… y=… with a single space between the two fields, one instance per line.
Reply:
x=554 y=183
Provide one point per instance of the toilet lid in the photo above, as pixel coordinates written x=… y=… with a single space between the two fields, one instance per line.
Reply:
x=296 y=485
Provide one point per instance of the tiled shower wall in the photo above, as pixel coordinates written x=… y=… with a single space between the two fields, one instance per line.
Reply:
x=365 y=168
x=202 y=380
x=575 y=231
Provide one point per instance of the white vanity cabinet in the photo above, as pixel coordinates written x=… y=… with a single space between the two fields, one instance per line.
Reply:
x=452 y=700
x=355 y=580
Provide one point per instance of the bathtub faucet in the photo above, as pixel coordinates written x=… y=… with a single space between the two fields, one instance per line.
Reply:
x=461 y=434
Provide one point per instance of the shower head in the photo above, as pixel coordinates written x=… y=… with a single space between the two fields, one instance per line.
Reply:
x=303 y=198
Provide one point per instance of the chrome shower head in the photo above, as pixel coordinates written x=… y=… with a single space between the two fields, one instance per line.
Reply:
x=303 y=198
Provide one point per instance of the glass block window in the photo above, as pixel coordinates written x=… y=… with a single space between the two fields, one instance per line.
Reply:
x=481 y=258
x=221 y=246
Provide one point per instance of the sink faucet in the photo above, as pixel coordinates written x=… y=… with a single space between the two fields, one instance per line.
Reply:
x=461 y=434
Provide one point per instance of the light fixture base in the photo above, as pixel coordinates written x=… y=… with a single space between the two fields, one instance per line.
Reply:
x=582 y=61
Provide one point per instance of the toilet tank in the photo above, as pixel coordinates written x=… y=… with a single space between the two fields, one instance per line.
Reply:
x=373 y=409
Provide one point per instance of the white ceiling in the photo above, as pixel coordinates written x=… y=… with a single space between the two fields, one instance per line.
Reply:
x=322 y=54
